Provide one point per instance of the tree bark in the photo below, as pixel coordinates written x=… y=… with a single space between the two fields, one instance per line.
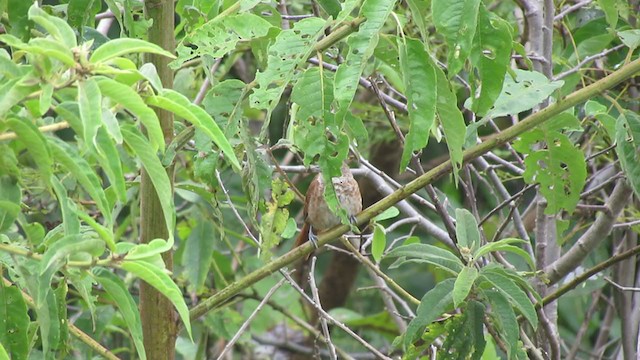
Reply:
x=156 y=311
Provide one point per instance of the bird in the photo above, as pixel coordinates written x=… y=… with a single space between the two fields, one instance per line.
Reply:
x=317 y=215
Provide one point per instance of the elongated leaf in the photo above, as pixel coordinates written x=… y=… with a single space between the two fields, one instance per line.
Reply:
x=105 y=233
x=68 y=209
x=503 y=314
x=627 y=139
x=127 y=97
x=83 y=283
x=361 y=47
x=457 y=21
x=505 y=245
x=421 y=87
x=157 y=173
x=10 y=198
x=441 y=258
x=115 y=287
x=12 y=92
x=290 y=50
x=15 y=322
x=90 y=105
x=34 y=142
x=109 y=159
x=451 y=120
x=55 y=26
x=54 y=49
x=198 y=254
x=517 y=297
x=463 y=284
x=56 y=256
x=181 y=106
x=81 y=13
x=433 y=304
x=80 y=169
x=491 y=54
x=467 y=231
x=123 y=46
x=379 y=242
x=157 y=278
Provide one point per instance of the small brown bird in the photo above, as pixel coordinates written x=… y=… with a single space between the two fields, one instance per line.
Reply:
x=318 y=217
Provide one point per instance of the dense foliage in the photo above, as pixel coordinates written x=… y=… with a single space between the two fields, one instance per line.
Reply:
x=153 y=160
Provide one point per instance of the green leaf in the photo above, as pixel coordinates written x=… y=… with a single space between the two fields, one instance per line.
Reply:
x=433 y=304
x=503 y=314
x=390 y=213
x=105 y=233
x=80 y=169
x=19 y=24
x=289 y=51
x=109 y=159
x=379 y=242
x=51 y=48
x=90 y=105
x=82 y=13
x=83 y=283
x=505 y=245
x=463 y=284
x=331 y=7
x=419 y=12
x=157 y=278
x=45 y=98
x=361 y=47
x=430 y=254
x=181 y=106
x=421 y=84
x=55 y=26
x=457 y=21
x=517 y=297
x=14 y=91
x=14 y=324
x=123 y=46
x=491 y=54
x=631 y=38
x=627 y=141
x=219 y=36
x=197 y=255
x=67 y=207
x=527 y=90
x=152 y=165
x=56 y=256
x=34 y=142
x=610 y=11
x=467 y=231
x=560 y=169
x=10 y=199
x=127 y=97
x=452 y=121
x=117 y=290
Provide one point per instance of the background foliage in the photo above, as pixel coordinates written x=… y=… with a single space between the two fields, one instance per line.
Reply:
x=496 y=145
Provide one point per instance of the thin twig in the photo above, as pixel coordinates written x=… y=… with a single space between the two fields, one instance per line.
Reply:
x=255 y=312
x=333 y=320
x=323 y=320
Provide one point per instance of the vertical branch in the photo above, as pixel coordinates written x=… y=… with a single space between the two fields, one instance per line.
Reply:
x=156 y=311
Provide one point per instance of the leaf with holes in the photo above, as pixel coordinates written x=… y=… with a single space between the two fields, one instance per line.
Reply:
x=491 y=54
x=457 y=21
x=421 y=86
x=560 y=168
